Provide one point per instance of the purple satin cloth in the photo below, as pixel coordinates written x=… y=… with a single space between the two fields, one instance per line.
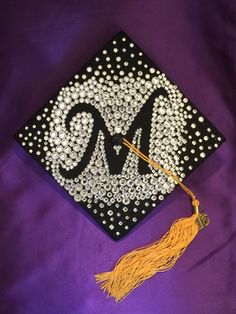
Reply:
x=49 y=248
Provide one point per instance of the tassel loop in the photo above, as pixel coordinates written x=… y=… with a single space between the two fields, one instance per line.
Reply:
x=195 y=204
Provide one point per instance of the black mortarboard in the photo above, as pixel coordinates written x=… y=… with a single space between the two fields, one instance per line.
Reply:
x=119 y=95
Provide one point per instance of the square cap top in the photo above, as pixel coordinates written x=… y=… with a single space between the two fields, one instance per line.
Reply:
x=118 y=92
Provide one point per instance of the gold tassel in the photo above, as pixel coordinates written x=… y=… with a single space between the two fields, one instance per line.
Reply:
x=135 y=267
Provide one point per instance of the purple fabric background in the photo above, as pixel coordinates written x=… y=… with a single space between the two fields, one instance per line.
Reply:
x=49 y=248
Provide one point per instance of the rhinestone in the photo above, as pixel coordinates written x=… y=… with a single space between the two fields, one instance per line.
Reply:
x=161 y=111
x=67 y=100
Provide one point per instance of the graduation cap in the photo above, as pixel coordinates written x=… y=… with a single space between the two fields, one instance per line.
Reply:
x=119 y=137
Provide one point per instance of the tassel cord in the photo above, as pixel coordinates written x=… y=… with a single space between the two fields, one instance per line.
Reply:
x=169 y=173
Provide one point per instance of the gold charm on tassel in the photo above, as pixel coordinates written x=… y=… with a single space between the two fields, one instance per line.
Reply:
x=133 y=268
